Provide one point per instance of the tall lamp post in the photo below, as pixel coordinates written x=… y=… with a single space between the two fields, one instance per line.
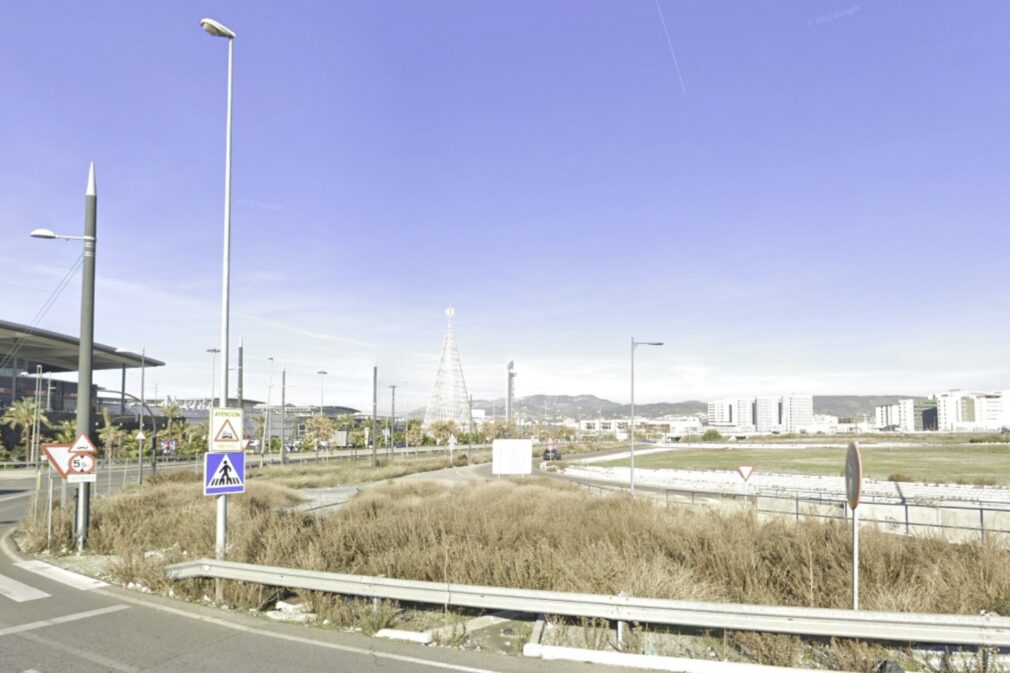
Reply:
x=266 y=422
x=322 y=378
x=217 y=29
x=141 y=437
x=634 y=345
x=85 y=406
x=213 y=374
x=392 y=420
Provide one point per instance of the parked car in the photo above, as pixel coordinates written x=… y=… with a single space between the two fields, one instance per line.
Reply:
x=552 y=453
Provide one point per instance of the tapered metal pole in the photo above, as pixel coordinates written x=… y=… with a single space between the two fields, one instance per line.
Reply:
x=375 y=412
x=85 y=407
x=855 y=558
x=284 y=418
x=143 y=405
x=392 y=421
x=240 y=366
x=226 y=265
x=632 y=480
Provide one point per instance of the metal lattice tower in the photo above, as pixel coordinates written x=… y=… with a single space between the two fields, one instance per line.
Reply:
x=449 y=400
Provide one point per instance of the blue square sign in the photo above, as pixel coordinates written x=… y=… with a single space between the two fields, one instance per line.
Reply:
x=223 y=473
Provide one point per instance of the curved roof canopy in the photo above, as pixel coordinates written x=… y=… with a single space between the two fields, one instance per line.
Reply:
x=58 y=352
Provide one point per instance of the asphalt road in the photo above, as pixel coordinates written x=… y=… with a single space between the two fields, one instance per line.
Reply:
x=56 y=624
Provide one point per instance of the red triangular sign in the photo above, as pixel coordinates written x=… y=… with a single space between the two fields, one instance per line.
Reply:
x=59 y=457
x=745 y=471
x=227 y=433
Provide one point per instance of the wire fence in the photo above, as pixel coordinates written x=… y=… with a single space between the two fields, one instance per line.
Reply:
x=954 y=521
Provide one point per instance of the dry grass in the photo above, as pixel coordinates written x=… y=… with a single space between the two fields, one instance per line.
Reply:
x=537 y=535
x=323 y=475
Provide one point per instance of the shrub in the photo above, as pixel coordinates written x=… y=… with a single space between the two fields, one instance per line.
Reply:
x=712 y=435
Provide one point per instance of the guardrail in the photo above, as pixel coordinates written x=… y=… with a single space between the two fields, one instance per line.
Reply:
x=985 y=630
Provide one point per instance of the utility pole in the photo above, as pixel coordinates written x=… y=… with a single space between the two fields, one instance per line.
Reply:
x=240 y=361
x=392 y=421
x=375 y=412
x=509 y=392
x=85 y=403
x=284 y=411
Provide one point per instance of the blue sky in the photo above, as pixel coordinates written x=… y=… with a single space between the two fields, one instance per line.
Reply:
x=819 y=208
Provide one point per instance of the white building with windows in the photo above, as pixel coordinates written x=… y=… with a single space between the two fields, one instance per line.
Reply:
x=788 y=413
x=961 y=411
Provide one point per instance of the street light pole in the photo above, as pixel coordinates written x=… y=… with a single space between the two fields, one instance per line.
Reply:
x=141 y=437
x=213 y=374
x=217 y=29
x=322 y=374
x=392 y=421
x=634 y=345
x=85 y=406
x=266 y=423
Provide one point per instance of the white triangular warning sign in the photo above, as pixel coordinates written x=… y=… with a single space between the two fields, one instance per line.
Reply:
x=226 y=433
x=224 y=475
x=745 y=471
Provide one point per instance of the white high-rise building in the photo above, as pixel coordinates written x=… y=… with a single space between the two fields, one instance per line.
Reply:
x=744 y=412
x=797 y=412
x=720 y=413
x=768 y=414
x=959 y=411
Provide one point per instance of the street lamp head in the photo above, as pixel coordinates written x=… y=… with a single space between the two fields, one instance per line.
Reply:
x=321 y=372
x=213 y=350
x=217 y=29
x=43 y=233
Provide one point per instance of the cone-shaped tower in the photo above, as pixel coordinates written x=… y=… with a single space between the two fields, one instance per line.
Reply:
x=449 y=400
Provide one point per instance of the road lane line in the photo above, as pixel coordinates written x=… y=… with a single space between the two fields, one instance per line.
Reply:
x=297 y=639
x=62 y=575
x=31 y=626
x=15 y=496
x=18 y=592
x=105 y=662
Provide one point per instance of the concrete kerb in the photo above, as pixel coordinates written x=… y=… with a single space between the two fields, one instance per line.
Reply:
x=534 y=649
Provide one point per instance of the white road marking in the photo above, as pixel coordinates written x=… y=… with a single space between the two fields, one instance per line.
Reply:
x=298 y=639
x=18 y=592
x=16 y=495
x=62 y=575
x=31 y=626
x=106 y=663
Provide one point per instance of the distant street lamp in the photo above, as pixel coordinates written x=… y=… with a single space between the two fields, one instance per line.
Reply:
x=143 y=405
x=213 y=373
x=634 y=345
x=322 y=375
x=266 y=437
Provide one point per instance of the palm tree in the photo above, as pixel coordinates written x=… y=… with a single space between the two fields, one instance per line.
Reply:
x=21 y=419
x=110 y=435
x=171 y=411
x=65 y=432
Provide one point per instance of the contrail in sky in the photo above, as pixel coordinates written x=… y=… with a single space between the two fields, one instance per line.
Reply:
x=669 y=43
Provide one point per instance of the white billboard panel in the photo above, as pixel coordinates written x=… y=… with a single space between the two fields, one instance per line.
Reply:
x=512 y=456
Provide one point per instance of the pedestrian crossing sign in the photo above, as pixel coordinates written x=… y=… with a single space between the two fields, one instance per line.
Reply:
x=223 y=473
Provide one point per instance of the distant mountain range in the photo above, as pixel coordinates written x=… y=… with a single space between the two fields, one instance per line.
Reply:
x=590 y=406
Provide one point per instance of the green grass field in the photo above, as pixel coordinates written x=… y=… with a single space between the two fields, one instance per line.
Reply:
x=966 y=463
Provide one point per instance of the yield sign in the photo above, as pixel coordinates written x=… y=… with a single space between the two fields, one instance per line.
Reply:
x=745 y=471
x=59 y=457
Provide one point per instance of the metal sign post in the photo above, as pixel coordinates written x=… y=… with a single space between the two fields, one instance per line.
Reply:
x=853 y=489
